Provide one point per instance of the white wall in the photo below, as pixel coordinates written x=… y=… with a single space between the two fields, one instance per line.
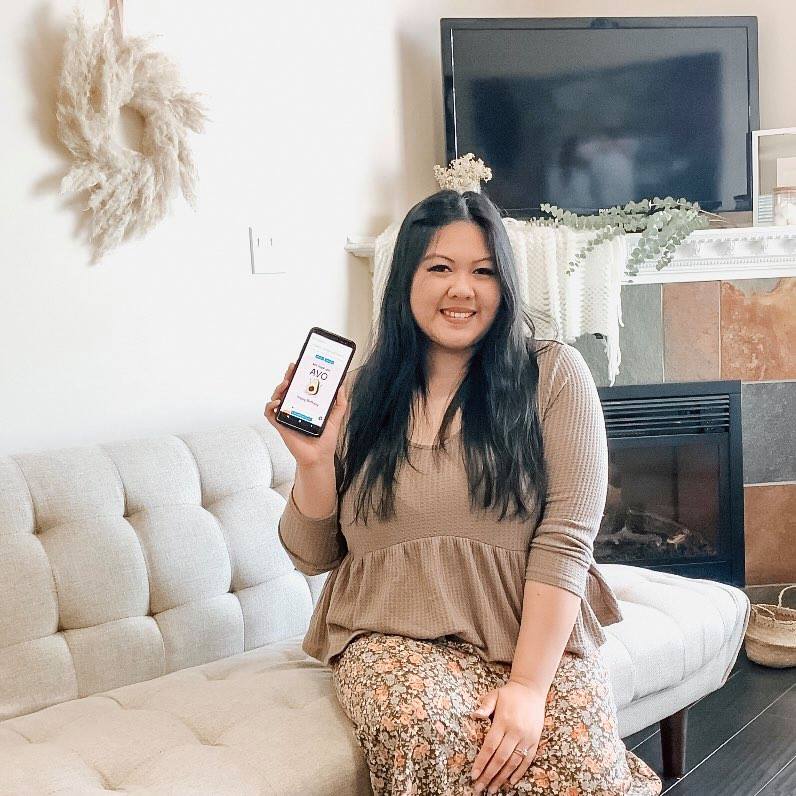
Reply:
x=326 y=120
x=172 y=332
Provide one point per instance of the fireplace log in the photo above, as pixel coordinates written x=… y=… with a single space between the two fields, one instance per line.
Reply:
x=650 y=522
x=625 y=534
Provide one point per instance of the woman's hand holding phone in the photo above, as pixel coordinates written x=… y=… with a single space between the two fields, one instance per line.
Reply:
x=306 y=450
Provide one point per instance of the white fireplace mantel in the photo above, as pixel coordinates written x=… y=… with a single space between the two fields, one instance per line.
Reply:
x=707 y=254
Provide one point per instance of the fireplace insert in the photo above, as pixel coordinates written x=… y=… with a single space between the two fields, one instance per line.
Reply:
x=675 y=484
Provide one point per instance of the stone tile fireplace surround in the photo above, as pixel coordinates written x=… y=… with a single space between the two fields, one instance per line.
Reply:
x=725 y=309
x=727 y=329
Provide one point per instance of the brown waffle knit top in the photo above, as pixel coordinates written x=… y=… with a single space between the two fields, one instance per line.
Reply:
x=437 y=568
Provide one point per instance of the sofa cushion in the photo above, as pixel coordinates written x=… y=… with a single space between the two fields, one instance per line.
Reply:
x=126 y=561
x=268 y=721
x=264 y=721
x=677 y=642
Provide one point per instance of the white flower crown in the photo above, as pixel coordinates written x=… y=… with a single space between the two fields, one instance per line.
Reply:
x=463 y=174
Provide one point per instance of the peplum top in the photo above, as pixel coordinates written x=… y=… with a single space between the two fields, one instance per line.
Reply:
x=437 y=568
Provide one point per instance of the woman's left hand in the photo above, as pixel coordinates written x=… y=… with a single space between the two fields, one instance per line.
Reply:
x=517 y=724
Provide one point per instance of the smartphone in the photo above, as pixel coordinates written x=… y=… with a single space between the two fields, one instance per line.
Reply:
x=320 y=369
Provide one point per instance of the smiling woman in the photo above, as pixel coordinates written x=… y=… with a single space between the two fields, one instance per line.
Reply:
x=454 y=297
x=451 y=253
x=457 y=281
x=461 y=563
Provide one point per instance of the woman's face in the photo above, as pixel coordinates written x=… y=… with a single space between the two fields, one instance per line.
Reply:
x=457 y=272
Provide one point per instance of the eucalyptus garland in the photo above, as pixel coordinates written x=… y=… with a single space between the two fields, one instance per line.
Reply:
x=663 y=223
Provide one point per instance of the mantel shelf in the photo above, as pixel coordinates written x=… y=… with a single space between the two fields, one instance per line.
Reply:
x=707 y=254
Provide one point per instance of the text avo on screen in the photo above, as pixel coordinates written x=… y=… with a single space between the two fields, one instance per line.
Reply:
x=317 y=375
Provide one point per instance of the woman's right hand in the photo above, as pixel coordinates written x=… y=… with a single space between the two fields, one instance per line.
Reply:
x=307 y=450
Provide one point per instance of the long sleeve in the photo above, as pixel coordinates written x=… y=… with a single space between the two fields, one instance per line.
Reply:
x=314 y=545
x=576 y=456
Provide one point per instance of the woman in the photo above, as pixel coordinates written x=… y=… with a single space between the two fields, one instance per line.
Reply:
x=455 y=498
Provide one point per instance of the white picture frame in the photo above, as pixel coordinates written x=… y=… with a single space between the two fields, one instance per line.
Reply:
x=773 y=161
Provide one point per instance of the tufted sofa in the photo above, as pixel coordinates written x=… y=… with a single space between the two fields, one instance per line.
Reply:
x=151 y=628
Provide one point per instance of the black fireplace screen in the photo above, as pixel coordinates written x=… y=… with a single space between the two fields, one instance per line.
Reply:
x=675 y=487
x=662 y=504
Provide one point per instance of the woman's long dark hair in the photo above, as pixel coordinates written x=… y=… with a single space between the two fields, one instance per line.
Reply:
x=501 y=432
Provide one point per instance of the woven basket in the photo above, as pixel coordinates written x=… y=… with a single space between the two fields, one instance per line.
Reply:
x=771 y=635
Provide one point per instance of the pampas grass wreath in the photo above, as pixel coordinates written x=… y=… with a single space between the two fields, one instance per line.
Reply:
x=129 y=192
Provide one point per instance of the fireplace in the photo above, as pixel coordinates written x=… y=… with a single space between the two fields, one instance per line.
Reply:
x=675 y=491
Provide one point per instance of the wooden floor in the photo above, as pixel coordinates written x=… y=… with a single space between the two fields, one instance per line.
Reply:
x=741 y=738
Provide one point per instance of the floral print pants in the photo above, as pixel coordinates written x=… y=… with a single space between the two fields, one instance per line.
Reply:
x=410 y=701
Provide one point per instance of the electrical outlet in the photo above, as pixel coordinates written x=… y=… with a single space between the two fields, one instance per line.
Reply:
x=261 y=248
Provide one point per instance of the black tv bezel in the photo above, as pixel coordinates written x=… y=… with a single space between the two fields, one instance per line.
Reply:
x=450 y=24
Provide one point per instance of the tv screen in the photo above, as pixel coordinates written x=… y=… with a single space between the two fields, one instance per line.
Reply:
x=591 y=113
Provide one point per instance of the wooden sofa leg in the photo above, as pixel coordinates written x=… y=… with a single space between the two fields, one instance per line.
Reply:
x=673 y=737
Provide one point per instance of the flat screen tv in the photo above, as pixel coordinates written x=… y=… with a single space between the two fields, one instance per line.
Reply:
x=591 y=113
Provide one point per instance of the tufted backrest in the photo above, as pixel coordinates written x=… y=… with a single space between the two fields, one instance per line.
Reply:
x=122 y=562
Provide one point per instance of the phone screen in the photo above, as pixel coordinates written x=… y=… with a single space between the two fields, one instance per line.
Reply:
x=319 y=371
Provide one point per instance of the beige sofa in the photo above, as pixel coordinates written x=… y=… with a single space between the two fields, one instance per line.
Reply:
x=151 y=627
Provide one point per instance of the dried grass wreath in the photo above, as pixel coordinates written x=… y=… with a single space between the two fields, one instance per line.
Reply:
x=129 y=191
